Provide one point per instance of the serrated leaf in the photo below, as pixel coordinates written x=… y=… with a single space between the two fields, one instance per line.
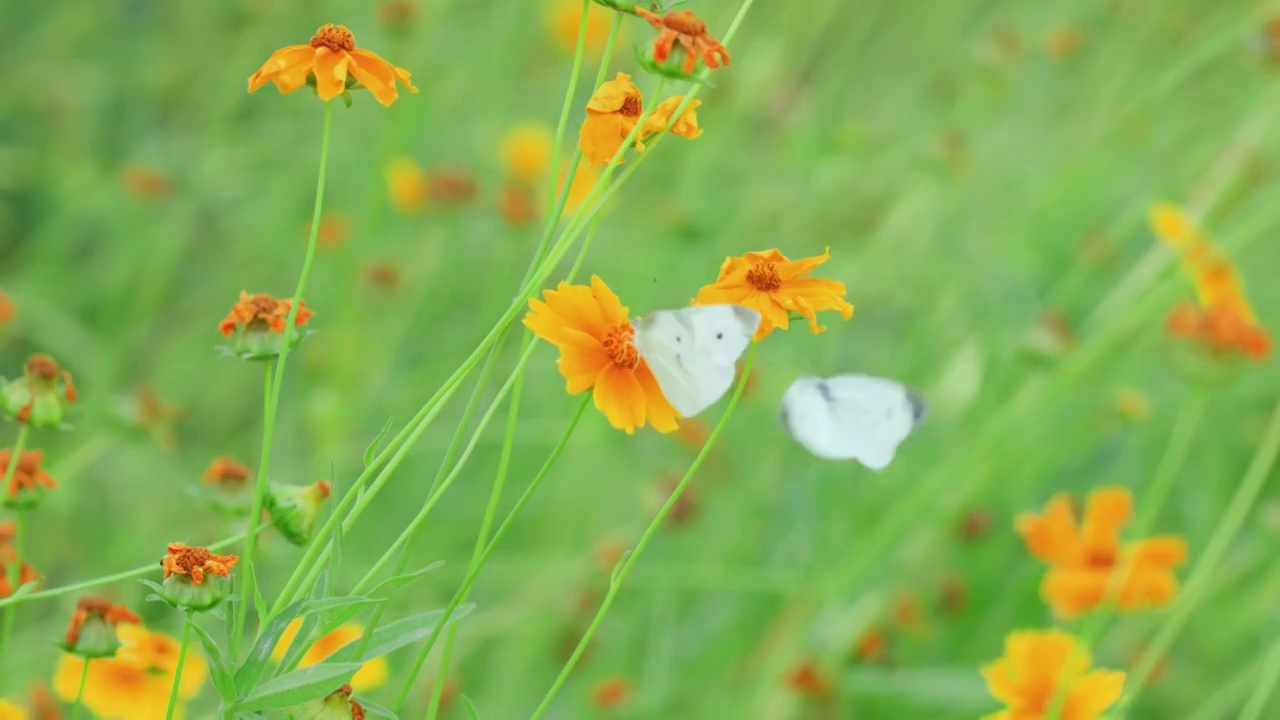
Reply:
x=371 y=450
x=299 y=686
x=251 y=670
x=392 y=584
x=406 y=631
x=221 y=671
x=471 y=708
x=374 y=710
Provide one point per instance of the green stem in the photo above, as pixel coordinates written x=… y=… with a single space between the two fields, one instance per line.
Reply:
x=272 y=403
x=568 y=103
x=84 y=677
x=1198 y=583
x=1270 y=676
x=182 y=659
x=474 y=571
x=620 y=573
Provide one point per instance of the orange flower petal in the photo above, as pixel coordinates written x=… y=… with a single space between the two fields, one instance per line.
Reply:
x=1160 y=552
x=613 y=94
x=550 y=326
x=1073 y=592
x=1092 y=694
x=581 y=367
x=619 y=396
x=612 y=310
x=658 y=410
x=376 y=74
x=331 y=73
x=578 y=307
x=1106 y=511
x=1051 y=536
x=283 y=67
x=600 y=137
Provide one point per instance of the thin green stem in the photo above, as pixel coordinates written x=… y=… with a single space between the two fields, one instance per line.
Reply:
x=568 y=101
x=474 y=570
x=84 y=677
x=182 y=659
x=1262 y=691
x=620 y=573
x=1199 y=581
x=273 y=394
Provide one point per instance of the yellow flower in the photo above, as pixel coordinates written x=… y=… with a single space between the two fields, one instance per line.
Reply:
x=772 y=285
x=616 y=107
x=135 y=684
x=9 y=711
x=407 y=185
x=526 y=151
x=562 y=18
x=330 y=57
x=1027 y=678
x=372 y=674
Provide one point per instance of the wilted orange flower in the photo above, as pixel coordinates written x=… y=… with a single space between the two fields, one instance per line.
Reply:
x=263 y=311
x=1028 y=678
x=451 y=185
x=616 y=107
x=593 y=330
x=226 y=471
x=526 y=151
x=807 y=679
x=332 y=59
x=562 y=18
x=145 y=182
x=1063 y=42
x=1084 y=555
x=8 y=309
x=196 y=562
x=773 y=285
x=685 y=28
x=103 y=610
x=372 y=674
x=28 y=475
x=611 y=692
x=406 y=185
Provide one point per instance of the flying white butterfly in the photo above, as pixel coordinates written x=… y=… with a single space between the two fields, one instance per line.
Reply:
x=857 y=417
x=694 y=351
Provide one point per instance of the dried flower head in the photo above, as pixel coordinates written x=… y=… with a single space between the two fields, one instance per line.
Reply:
x=294 y=509
x=774 y=286
x=683 y=28
x=29 y=482
x=258 y=324
x=194 y=577
x=1038 y=666
x=615 y=109
x=92 y=633
x=332 y=61
x=9 y=556
x=228 y=487
x=42 y=396
x=227 y=471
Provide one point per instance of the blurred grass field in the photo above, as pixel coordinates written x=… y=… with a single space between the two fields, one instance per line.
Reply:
x=972 y=169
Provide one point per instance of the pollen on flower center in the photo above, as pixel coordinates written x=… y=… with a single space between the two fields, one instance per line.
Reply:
x=334 y=37
x=193 y=557
x=618 y=345
x=631 y=107
x=764 y=277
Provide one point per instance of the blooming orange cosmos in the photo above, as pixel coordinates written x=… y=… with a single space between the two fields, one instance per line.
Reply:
x=613 y=112
x=593 y=330
x=196 y=562
x=773 y=285
x=685 y=28
x=331 y=57
x=1027 y=678
x=263 y=312
x=1084 y=555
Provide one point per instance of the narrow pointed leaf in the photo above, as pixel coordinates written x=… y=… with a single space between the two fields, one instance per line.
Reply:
x=218 y=667
x=398 y=634
x=299 y=686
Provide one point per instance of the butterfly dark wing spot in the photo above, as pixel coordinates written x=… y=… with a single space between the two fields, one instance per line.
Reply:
x=719 y=336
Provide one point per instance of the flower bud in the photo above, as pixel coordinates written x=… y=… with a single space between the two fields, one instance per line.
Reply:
x=41 y=396
x=228 y=486
x=294 y=509
x=195 y=578
x=93 y=628
x=337 y=705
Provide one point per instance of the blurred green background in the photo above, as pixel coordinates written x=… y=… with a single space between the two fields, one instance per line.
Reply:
x=973 y=166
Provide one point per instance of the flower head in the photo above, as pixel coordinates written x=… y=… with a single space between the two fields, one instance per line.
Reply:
x=8 y=556
x=594 y=332
x=227 y=486
x=294 y=509
x=41 y=396
x=9 y=711
x=407 y=185
x=8 y=308
x=194 y=577
x=92 y=633
x=135 y=684
x=526 y=152
x=611 y=692
x=372 y=674
x=613 y=112
x=562 y=18
x=333 y=62
x=805 y=678
x=29 y=482
x=258 y=324
x=683 y=28
x=1085 y=554
x=143 y=181
x=773 y=286
x=1037 y=666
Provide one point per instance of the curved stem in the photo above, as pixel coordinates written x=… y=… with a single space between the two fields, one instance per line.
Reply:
x=182 y=659
x=273 y=396
x=620 y=573
x=568 y=102
x=1270 y=676
x=84 y=677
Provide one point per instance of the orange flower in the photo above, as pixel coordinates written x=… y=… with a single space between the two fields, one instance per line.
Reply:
x=226 y=471
x=526 y=151
x=261 y=311
x=453 y=186
x=1084 y=555
x=8 y=555
x=143 y=181
x=406 y=185
x=110 y=614
x=333 y=231
x=9 y=711
x=1063 y=42
x=611 y=692
x=92 y=633
x=562 y=18
x=685 y=28
x=773 y=285
x=516 y=204
x=135 y=684
x=593 y=330
x=616 y=107
x=1027 y=678
x=8 y=308
x=332 y=59
x=29 y=476
x=196 y=562
x=805 y=678
x=372 y=674
x=872 y=646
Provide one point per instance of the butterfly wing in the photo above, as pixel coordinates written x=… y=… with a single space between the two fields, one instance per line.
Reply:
x=856 y=417
x=693 y=351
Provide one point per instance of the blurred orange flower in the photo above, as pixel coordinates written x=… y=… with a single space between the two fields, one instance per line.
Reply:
x=562 y=18
x=333 y=231
x=516 y=203
x=332 y=59
x=526 y=151
x=372 y=674
x=685 y=28
x=8 y=308
x=1063 y=42
x=613 y=112
x=9 y=555
x=611 y=692
x=9 y=711
x=143 y=181
x=1027 y=678
x=89 y=609
x=1084 y=555
x=135 y=684
x=593 y=330
x=805 y=678
x=773 y=285
x=28 y=476
x=226 y=471
x=451 y=185
x=406 y=185
x=261 y=311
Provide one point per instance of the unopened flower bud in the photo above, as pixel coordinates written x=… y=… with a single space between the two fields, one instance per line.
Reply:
x=294 y=509
x=41 y=396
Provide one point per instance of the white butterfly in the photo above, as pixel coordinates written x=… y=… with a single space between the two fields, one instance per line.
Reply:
x=694 y=351
x=857 y=417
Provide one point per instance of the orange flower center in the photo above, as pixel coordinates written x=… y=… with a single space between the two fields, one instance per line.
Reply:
x=334 y=37
x=42 y=366
x=264 y=305
x=685 y=23
x=631 y=107
x=618 y=345
x=764 y=277
x=191 y=558
x=1100 y=559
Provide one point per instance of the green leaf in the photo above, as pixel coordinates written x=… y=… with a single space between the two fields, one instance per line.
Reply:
x=299 y=686
x=392 y=584
x=221 y=671
x=251 y=671
x=406 y=631
x=259 y=604
x=342 y=609
x=301 y=641
x=471 y=708
x=374 y=710
x=372 y=450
